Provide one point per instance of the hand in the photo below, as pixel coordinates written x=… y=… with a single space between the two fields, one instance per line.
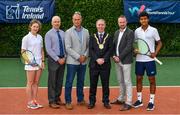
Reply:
x=61 y=61
x=116 y=59
x=42 y=65
x=100 y=61
x=82 y=59
x=153 y=55
x=136 y=51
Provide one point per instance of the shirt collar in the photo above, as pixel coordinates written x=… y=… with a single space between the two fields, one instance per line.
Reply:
x=146 y=29
x=123 y=30
x=32 y=35
x=55 y=29
x=76 y=28
x=101 y=33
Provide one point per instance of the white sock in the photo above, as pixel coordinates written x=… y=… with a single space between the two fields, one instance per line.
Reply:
x=139 y=96
x=151 y=100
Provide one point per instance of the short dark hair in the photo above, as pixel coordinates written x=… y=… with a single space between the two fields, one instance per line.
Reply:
x=143 y=14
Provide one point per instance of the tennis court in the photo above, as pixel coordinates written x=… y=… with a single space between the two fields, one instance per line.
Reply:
x=13 y=97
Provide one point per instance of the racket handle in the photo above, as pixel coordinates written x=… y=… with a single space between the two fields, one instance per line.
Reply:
x=158 y=61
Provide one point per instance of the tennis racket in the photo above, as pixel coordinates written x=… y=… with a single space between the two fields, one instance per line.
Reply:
x=142 y=48
x=28 y=58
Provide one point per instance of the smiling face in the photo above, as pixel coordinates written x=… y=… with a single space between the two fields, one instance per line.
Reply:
x=56 y=22
x=144 y=20
x=34 y=28
x=122 y=22
x=77 y=20
x=100 y=25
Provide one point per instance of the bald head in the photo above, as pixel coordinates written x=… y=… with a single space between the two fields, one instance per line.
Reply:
x=56 y=22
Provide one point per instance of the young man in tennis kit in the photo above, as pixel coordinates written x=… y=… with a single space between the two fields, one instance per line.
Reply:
x=146 y=63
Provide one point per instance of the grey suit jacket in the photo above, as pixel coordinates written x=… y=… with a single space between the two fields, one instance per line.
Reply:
x=125 y=46
x=74 y=48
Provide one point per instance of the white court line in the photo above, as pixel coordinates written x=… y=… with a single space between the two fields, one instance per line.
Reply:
x=88 y=87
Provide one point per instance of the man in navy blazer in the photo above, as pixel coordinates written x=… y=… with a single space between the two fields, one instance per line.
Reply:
x=100 y=50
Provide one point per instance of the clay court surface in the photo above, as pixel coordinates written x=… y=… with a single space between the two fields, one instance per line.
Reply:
x=13 y=101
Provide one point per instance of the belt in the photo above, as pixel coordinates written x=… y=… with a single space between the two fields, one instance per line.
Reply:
x=61 y=56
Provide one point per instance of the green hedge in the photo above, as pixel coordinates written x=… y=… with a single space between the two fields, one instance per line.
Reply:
x=12 y=34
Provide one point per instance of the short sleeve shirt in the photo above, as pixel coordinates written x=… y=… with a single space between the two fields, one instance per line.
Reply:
x=34 y=44
x=150 y=35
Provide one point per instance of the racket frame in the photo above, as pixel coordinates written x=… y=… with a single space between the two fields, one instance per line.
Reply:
x=155 y=58
x=34 y=60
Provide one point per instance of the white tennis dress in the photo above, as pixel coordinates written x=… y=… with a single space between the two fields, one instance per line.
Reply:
x=34 y=44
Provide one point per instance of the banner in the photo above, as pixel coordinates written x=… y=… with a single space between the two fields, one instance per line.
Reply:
x=24 y=11
x=159 y=11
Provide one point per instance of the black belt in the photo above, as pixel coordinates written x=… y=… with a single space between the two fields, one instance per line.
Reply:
x=61 y=56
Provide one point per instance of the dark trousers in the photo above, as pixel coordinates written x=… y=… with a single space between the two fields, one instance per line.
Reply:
x=55 y=80
x=104 y=73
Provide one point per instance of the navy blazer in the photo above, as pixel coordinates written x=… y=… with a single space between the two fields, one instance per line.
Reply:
x=95 y=52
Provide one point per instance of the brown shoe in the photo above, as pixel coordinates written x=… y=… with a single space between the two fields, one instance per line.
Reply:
x=83 y=102
x=117 y=102
x=69 y=106
x=107 y=106
x=60 y=103
x=126 y=107
x=54 y=106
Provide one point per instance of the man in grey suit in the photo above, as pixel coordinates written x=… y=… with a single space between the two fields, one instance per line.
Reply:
x=76 y=44
x=54 y=42
x=123 y=57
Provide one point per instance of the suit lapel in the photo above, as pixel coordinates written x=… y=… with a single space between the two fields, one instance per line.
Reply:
x=116 y=38
x=123 y=37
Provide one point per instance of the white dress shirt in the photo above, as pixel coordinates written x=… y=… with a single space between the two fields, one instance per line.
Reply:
x=119 y=40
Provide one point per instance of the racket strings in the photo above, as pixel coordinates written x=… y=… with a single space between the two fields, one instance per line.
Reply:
x=28 y=57
x=143 y=47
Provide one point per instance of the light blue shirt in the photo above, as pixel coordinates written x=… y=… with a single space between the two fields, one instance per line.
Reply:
x=79 y=33
x=52 y=43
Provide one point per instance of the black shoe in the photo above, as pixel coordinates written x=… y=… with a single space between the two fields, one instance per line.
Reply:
x=117 y=102
x=126 y=107
x=91 y=106
x=107 y=106
x=137 y=104
x=150 y=107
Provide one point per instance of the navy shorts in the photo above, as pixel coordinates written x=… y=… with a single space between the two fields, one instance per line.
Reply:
x=149 y=67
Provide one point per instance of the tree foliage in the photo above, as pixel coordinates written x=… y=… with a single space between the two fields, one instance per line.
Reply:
x=12 y=34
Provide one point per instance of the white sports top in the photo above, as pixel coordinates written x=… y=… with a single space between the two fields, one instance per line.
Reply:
x=150 y=35
x=34 y=44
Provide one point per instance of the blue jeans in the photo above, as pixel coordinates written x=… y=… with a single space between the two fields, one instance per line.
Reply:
x=71 y=72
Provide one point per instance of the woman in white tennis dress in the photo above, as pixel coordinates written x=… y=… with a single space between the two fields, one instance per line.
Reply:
x=34 y=43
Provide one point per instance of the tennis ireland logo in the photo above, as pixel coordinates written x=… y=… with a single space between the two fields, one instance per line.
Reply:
x=18 y=11
x=136 y=9
x=13 y=12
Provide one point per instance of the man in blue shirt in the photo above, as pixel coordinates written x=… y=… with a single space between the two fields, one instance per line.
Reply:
x=54 y=42
x=76 y=42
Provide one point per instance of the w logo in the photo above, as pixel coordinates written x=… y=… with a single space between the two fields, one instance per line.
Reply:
x=136 y=9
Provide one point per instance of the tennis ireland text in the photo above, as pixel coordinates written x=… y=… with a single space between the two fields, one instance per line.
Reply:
x=13 y=12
